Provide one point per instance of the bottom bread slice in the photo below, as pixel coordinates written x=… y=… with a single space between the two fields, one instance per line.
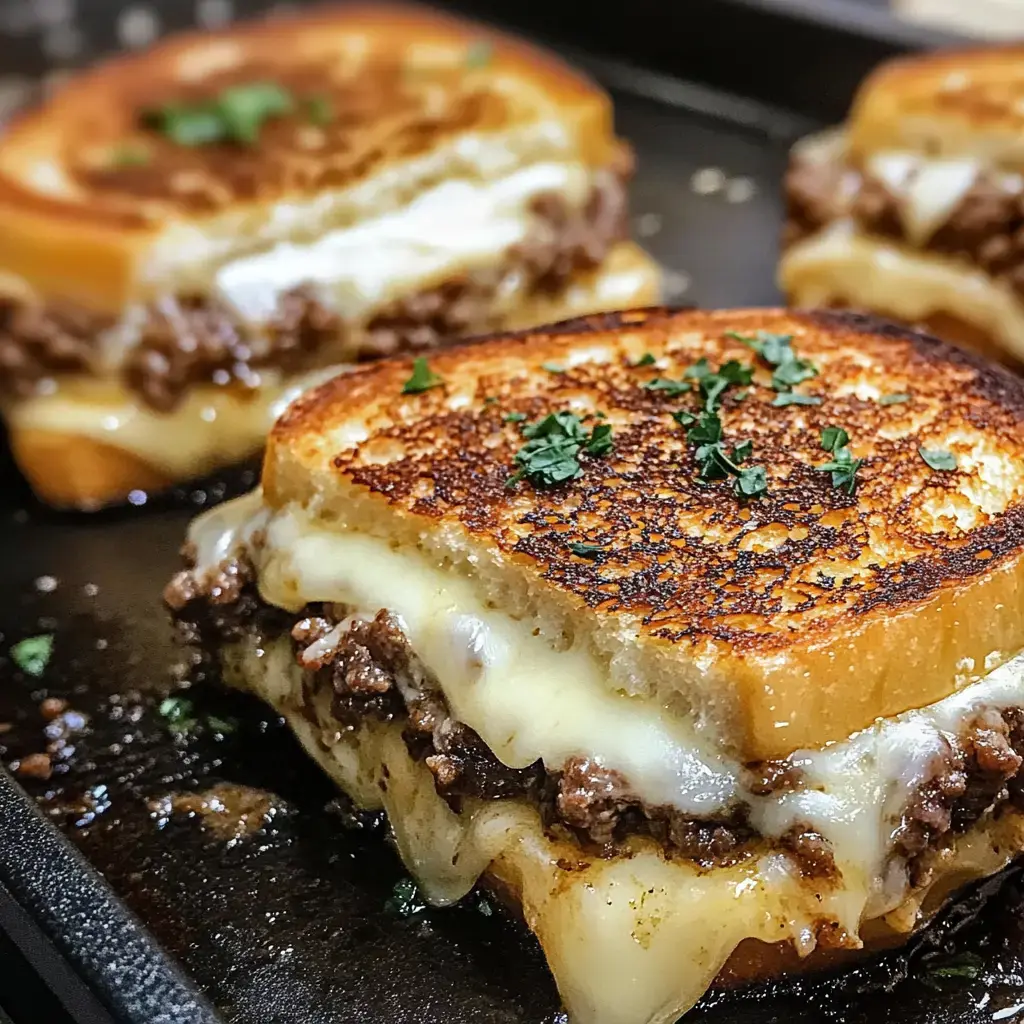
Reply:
x=635 y=937
x=91 y=442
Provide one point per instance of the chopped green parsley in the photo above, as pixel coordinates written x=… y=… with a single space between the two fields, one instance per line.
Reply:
x=938 y=459
x=422 y=378
x=553 y=445
x=32 y=654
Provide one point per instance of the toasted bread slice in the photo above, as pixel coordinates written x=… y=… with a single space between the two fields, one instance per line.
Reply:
x=784 y=622
x=946 y=104
x=101 y=210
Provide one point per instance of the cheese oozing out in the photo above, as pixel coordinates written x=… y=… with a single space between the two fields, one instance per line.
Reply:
x=630 y=940
x=842 y=264
x=456 y=226
x=499 y=677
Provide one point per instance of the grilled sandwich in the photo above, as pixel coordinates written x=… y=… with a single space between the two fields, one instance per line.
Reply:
x=695 y=635
x=191 y=232
x=915 y=209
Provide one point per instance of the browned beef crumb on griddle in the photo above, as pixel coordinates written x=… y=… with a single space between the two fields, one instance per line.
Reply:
x=191 y=340
x=37 y=343
x=985 y=228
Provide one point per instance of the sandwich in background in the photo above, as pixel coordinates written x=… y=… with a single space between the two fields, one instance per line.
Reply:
x=696 y=636
x=915 y=209
x=189 y=233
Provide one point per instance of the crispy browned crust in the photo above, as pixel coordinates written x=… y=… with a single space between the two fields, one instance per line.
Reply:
x=76 y=472
x=951 y=99
x=84 y=241
x=819 y=600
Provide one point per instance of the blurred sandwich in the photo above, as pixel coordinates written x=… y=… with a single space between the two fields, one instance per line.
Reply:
x=190 y=232
x=695 y=635
x=916 y=208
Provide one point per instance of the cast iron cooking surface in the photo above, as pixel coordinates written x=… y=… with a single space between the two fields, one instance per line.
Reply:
x=292 y=924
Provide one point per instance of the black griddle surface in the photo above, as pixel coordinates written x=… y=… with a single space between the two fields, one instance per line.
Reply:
x=290 y=925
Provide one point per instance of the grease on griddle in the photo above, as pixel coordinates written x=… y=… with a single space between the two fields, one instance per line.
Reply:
x=228 y=812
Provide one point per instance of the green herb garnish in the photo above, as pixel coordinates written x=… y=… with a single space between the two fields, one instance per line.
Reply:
x=479 y=54
x=673 y=388
x=237 y=114
x=320 y=110
x=784 y=398
x=514 y=417
x=843 y=466
x=713 y=384
x=422 y=379
x=179 y=712
x=225 y=726
x=684 y=418
x=896 y=399
x=405 y=899
x=715 y=462
x=962 y=965
x=600 y=441
x=776 y=350
x=585 y=550
x=551 y=454
x=645 y=360
x=552 y=367
x=32 y=654
x=938 y=459
x=129 y=156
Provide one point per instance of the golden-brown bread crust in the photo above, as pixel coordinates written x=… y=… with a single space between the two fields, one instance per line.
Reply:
x=808 y=607
x=964 y=102
x=73 y=471
x=68 y=471
x=85 y=234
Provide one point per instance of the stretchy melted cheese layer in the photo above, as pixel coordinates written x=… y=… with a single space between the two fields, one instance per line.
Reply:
x=214 y=426
x=529 y=699
x=455 y=227
x=841 y=265
x=630 y=940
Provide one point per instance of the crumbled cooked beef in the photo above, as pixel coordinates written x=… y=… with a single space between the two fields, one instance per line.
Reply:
x=221 y=604
x=986 y=227
x=813 y=196
x=190 y=340
x=465 y=767
x=37 y=342
x=592 y=798
x=980 y=773
x=876 y=209
x=811 y=851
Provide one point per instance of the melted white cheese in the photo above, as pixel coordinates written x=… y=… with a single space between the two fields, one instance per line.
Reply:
x=629 y=940
x=529 y=700
x=211 y=427
x=839 y=264
x=455 y=226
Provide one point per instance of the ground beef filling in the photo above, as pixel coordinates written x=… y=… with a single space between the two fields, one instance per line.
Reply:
x=195 y=340
x=986 y=228
x=370 y=671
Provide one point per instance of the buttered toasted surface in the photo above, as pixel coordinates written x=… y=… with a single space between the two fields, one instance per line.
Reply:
x=747 y=540
x=291 y=106
x=945 y=103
